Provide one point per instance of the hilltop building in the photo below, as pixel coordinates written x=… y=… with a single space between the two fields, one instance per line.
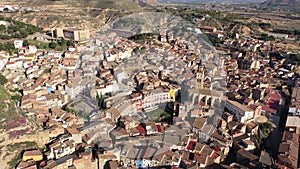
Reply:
x=74 y=34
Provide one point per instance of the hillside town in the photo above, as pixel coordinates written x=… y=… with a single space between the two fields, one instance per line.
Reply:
x=119 y=99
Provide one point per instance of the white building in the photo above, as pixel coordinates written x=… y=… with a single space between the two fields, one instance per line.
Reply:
x=3 y=61
x=242 y=113
x=120 y=74
x=14 y=65
x=111 y=56
x=5 y=23
x=59 y=150
x=6 y=7
x=255 y=64
x=107 y=88
x=125 y=54
x=156 y=97
x=32 y=49
x=293 y=121
x=294 y=110
x=278 y=35
x=202 y=128
x=18 y=44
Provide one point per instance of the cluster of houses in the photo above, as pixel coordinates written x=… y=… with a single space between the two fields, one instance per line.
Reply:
x=51 y=79
x=257 y=87
x=47 y=78
x=212 y=31
x=289 y=147
x=206 y=123
x=260 y=83
x=154 y=88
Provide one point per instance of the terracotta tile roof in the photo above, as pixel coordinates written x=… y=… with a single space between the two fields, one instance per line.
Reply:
x=191 y=145
x=199 y=122
x=32 y=153
x=141 y=129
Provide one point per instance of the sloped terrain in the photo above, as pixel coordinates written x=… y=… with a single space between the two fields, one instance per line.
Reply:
x=290 y=3
x=89 y=14
x=241 y=29
x=209 y=1
x=153 y=22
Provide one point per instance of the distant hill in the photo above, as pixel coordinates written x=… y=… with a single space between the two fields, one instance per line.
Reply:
x=100 y=4
x=282 y=3
x=209 y=1
x=89 y=14
x=127 y=5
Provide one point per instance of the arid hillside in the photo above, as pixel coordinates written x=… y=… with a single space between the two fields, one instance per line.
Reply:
x=90 y=14
x=282 y=3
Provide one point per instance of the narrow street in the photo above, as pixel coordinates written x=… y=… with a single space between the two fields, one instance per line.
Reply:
x=274 y=142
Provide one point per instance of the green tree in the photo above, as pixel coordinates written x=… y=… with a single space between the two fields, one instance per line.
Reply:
x=3 y=79
x=52 y=45
x=271 y=38
x=62 y=42
x=70 y=43
x=295 y=57
x=125 y=61
x=25 y=43
x=47 y=71
x=100 y=101
x=2 y=46
x=9 y=45
x=4 y=37
x=23 y=33
x=17 y=97
x=43 y=46
x=2 y=28
x=264 y=130
x=60 y=48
